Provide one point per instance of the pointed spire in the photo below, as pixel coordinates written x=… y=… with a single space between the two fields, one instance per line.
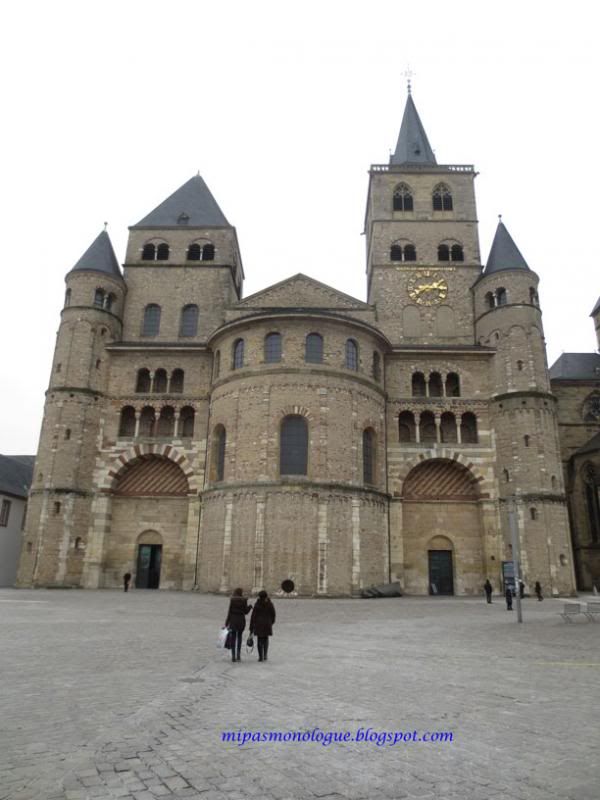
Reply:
x=504 y=253
x=596 y=309
x=99 y=257
x=192 y=204
x=413 y=146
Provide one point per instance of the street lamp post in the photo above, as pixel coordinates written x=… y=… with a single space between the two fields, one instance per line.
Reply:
x=516 y=551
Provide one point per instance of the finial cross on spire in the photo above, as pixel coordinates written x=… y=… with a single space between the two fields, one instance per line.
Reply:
x=408 y=74
x=105 y=225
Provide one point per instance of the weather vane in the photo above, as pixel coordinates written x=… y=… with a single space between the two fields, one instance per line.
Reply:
x=408 y=74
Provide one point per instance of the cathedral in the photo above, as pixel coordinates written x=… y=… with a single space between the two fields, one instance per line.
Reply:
x=299 y=439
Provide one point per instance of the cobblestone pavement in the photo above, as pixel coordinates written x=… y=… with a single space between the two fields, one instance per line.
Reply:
x=106 y=695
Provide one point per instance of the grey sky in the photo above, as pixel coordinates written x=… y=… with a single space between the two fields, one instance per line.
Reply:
x=109 y=107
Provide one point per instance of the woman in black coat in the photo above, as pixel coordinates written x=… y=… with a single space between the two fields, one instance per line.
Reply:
x=236 y=621
x=261 y=623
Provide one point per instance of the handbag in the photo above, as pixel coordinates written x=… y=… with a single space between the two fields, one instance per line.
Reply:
x=229 y=640
x=250 y=642
x=222 y=638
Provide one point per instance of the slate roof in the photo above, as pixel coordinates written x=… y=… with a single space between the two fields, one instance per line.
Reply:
x=16 y=473
x=589 y=447
x=99 y=257
x=504 y=253
x=596 y=308
x=576 y=366
x=192 y=205
x=413 y=146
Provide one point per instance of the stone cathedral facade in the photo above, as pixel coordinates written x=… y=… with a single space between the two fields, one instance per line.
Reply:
x=201 y=439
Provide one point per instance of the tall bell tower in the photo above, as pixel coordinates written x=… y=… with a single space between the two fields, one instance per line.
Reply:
x=422 y=243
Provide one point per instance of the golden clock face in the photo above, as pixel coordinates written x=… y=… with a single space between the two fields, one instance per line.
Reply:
x=427 y=288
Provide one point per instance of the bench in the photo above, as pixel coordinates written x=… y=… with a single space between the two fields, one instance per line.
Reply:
x=571 y=610
x=593 y=610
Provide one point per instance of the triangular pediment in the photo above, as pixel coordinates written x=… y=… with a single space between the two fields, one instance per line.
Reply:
x=300 y=291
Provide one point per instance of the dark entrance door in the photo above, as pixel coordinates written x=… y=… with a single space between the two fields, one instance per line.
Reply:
x=147 y=575
x=440 y=572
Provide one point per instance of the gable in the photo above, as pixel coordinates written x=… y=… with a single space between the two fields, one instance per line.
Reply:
x=300 y=291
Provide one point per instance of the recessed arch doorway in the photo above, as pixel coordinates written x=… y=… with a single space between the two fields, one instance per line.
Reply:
x=442 y=529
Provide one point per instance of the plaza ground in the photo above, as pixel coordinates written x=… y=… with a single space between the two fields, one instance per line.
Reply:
x=112 y=695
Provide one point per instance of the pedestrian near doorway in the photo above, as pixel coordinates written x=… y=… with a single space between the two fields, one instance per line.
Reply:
x=126 y=581
x=509 y=597
x=487 y=587
x=261 y=623
x=236 y=621
x=538 y=591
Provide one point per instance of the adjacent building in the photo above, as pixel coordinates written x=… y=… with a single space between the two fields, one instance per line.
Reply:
x=15 y=480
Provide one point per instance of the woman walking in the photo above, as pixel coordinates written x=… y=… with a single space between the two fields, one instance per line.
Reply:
x=261 y=623
x=236 y=621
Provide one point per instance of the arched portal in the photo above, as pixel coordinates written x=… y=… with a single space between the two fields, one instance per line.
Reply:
x=148 y=524
x=442 y=529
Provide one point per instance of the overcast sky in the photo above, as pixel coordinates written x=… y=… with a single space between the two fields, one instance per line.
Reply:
x=109 y=107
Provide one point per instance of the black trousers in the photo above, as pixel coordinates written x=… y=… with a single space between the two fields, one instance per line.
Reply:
x=236 y=648
x=263 y=647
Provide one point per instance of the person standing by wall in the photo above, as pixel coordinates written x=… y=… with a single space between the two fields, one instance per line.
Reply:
x=538 y=590
x=487 y=587
x=261 y=623
x=236 y=621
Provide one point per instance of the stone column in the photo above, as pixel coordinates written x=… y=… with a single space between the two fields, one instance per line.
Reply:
x=226 y=546
x=259 y=544
x=323 y=541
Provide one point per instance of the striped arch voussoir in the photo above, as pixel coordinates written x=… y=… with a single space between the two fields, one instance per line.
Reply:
x=449 y=455
x=112 y=473
x=296 y=410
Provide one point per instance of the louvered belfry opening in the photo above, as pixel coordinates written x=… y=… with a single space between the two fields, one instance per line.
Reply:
x=152 y=476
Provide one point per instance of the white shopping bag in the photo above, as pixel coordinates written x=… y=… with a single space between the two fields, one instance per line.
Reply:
x=222 y=638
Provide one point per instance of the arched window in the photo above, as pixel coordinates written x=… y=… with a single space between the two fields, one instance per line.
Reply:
x=166 y=422
x=159 y=384
x=147 y=421
x=67 y=298
x=448 y=430
x=533 y=513
x=189 y=320
x=376 y=366
x=406 y=427
x=67 y=433
x=219 y=448
x=272 y=348
x=208 y=252
x=99 y=298
x=109 y=301
x=452 y=385
x=395 y=252
x=149 y=252
x=238 y=354
x=143 y=383
x=403 y=199
x=127 y=421
x=526 y=440
x=520 y=365
x=151 y=324
x=176 y=385
x=457 y=252
x=489 y=300
x=553 y=482
x=427 y=427
x=78 y=543
x=468 y=428
x=162 y=252
x=293 y=445
x=435 y=385
x=186 y=422
x=506 y=475
x=217 y=364
x=443 y=252
x=418 y=385
x=533 y=296
x=194 y=252
x=410 y=252
x=313 y=352
x=351 y=354
x=368 y=442
x=442 y=198
x=501 y=298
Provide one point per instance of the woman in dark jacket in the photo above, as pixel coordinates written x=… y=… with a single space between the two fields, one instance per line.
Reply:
x=236 y=621
x=261 y=623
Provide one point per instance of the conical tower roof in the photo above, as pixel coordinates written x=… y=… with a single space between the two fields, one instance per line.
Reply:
x=99 y=257
x=413 y=145
x=596 y=308
x=192 y=204
x=504 y=253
